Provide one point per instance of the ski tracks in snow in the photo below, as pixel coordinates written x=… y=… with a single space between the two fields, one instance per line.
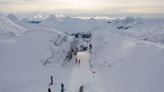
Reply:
x=83 y=76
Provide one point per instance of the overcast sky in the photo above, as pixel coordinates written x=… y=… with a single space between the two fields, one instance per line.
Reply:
x=84 y=7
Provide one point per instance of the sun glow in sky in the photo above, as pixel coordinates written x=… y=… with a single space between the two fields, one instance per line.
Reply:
x=93 y=7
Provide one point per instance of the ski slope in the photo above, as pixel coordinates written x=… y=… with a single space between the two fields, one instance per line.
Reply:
x=81 y=74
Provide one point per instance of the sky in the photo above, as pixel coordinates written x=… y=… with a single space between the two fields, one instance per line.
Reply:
x=85 y=7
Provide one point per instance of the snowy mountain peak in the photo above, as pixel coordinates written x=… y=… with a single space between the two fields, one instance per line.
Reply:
x=12 y=17
x=126 y=22
x=9 y=28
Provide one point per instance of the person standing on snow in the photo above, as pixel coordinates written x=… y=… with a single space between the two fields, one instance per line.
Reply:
x=62 y=87
x=51 y=81
x=79 y=63
x=49 y=90
x=76 y=61
x=90 y=46
x=81 y=89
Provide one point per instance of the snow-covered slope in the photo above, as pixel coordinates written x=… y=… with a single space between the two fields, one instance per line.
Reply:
x=64 y=24
x=127 y=54
x=125 y=23
x=12 y=17
x=126 y=64
x=22 y=60
x=146 y=29
x=10 y=29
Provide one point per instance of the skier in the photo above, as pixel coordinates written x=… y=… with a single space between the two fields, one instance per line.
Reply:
x=79 y=63
x=49 y=90
x=51 y=81
x=76 y=60
x=62 y=87
x=81 y=89
x=90 y=46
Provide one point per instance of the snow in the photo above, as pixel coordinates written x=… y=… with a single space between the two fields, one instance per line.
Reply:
x=22 y=61
x=127 y=54
x=125 y=23
x=128 y=64
x=79 y=73
x=9 y=29
x=139 y=70
x=12 y=17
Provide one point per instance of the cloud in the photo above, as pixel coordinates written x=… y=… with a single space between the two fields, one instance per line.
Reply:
x=84 y=7
x=29 y=0
x=4 y=2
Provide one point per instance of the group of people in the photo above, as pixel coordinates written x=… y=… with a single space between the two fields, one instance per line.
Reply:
x=77 y=62
x=51 y=83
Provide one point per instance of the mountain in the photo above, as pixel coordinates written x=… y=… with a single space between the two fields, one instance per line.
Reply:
x=12 y=17
x=27 y=62
x=126 y=64
x=9 y=28
x=126 y=54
